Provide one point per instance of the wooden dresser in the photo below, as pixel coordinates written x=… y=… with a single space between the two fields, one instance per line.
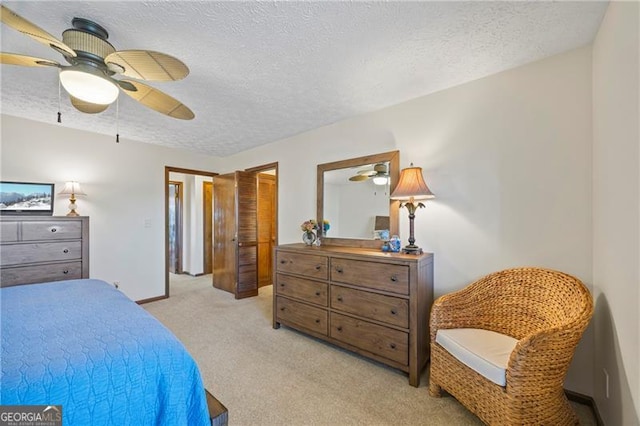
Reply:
x=373 y=303
x=43 y=248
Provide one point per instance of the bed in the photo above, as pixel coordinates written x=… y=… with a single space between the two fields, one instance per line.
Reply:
x=84 y=345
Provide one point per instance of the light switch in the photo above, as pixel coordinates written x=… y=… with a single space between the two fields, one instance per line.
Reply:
x=147 y=223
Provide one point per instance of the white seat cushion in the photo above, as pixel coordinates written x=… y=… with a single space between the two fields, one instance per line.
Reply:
x=484 y=351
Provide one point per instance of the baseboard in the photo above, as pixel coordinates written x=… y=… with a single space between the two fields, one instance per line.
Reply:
x=151 y=299
x=585 y=400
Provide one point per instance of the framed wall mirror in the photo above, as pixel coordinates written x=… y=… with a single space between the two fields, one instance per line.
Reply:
x=353 y=195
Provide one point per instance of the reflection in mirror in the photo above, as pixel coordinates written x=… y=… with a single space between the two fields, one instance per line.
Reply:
x=353 y=200
x=353 y=195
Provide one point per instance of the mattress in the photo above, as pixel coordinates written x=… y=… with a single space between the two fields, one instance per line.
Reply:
x=84 y=345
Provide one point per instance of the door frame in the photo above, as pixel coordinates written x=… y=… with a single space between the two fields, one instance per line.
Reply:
x=167 y=171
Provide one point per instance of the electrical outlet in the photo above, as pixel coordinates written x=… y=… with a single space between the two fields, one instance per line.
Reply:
x=116 y=284
x=606 y=383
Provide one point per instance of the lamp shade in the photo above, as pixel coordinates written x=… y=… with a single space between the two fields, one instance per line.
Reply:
x=88 y=86
x=72 y=188
x=411 y=185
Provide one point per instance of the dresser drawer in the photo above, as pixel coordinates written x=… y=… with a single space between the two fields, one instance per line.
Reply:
x=391 y=310
x=387 y=277
x=310 y=265
x=8 y=231
x=300 y=288
x=51 y=230
x=15 y=254
x=301 y=315
x=40 y=273
x=376 y=339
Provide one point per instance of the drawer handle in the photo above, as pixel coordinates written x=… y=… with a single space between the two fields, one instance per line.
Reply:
x=339 y=298
x=66 y=271
x=65 y=251
x=282 y=262
x=394 y=278
x=392 y=346
x=282 y=309
x=281 y=284
x=394 y=312
x=317 y=293
x=339 y=269
x=339 y=328
x=54 y=229
x=317 y=321
x=318 y=267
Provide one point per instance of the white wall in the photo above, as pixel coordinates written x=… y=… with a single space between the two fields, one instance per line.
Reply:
x=124 y=184
x=616 y=214
x=508 y=157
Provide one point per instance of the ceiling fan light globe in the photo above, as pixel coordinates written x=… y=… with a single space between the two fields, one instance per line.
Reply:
x=380 y=180
x=89 y=87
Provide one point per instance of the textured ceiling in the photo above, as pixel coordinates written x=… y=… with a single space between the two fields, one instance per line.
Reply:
x=262 y=71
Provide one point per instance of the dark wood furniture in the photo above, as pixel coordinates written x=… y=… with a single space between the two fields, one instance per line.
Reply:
x=37 y=249
x=373 y=303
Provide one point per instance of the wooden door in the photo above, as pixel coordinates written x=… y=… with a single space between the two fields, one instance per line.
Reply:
x=266 y=227
x=235 y=233
x=207 y=218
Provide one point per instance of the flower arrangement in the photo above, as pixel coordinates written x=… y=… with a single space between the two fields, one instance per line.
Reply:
x=309 y=225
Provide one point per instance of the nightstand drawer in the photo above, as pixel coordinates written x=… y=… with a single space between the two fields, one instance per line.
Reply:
x=309 y=265
x=15 y=254
x=373 y=275
x=300 y=288
x=392 y=310
x=373 y=338
x=40 y=273
x=51 y=230
x=301 y=315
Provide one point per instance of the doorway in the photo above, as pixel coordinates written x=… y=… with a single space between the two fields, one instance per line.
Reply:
x=175 y=227
x=267 y=213
x=186 y=222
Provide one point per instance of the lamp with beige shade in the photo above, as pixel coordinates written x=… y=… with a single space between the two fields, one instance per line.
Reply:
x=411 y=187
x=72 y=189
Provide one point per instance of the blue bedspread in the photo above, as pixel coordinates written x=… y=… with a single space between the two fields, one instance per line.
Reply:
x=84 y=345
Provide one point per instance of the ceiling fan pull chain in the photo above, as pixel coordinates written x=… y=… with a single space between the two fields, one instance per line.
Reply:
x=117 y=115
x=59 y=113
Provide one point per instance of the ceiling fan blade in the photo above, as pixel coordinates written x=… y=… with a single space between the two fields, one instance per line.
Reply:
x=18 y=23
x=25 y=61
x=159 y=101
x=147 y=65
x=358 y=178
x=87 y=107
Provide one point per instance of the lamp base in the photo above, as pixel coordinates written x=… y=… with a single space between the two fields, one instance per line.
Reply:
x=411 y=249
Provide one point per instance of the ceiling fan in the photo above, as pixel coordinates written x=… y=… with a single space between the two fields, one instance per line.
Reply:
x=379 y=174
x=93 y=62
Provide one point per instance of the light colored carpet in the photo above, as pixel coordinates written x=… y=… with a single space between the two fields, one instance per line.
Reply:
x=281 y=377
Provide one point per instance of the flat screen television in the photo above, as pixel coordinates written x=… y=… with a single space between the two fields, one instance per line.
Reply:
x=26 y=198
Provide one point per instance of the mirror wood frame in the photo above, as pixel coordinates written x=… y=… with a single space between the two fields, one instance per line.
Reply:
x=393 y=157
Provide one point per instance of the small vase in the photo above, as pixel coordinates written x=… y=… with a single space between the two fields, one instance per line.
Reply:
x=308 y=238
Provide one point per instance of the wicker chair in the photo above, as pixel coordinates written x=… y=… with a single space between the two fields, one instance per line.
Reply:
x=547 y=312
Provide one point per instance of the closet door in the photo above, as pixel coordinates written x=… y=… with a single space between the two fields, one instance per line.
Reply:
x=235 y=233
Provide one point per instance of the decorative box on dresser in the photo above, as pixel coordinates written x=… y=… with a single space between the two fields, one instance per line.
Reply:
x=373 y=303
x=37 y=249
